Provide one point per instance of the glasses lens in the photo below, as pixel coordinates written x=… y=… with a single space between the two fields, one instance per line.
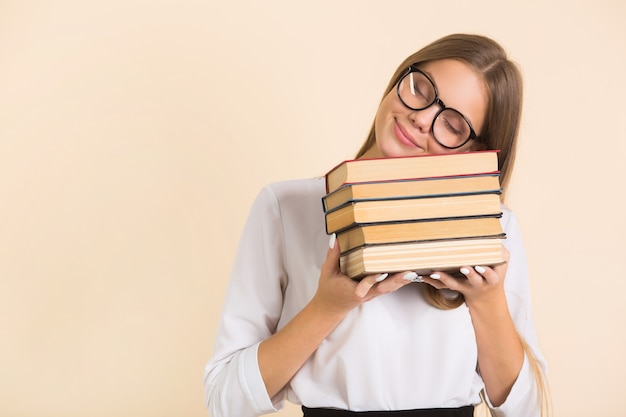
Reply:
x=451 y=129
x=416 y=91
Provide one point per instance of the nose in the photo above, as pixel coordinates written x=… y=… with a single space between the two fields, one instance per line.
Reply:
x=423 y=119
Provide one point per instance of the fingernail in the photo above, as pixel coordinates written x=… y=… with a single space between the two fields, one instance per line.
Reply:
x=381 y=277
x=410 y=276
x=331 y=242
x=479 y=269
x=465 y=271
x=435 y=276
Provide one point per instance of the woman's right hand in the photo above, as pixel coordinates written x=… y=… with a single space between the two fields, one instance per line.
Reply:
x=338 y=294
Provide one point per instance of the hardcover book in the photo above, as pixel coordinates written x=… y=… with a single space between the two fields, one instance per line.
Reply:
x=411 y=167
x=423 y=258
x=420 y=231
x=379 y=190
x=417 y=208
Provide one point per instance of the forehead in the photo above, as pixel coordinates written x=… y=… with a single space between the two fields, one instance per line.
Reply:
x=459 y=86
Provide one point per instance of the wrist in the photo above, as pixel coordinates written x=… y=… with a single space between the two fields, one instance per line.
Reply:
x=327 y=310
x=488 y=304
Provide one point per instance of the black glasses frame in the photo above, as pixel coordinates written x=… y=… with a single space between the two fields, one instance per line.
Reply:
x=439 y=102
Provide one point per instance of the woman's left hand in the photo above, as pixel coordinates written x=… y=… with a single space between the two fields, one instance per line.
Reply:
x=482 y=283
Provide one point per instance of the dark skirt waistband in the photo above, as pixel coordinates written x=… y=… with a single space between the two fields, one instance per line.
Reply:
x=467 y=411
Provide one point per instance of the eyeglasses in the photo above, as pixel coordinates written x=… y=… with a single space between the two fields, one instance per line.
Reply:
x=417 y=92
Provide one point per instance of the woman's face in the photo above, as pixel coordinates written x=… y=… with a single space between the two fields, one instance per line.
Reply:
x=401 y=131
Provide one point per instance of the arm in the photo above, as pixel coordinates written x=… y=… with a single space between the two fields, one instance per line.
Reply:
x=252 y=361
x=282 y=354
x=501 y=314
x=500 y=352
x=250 y=312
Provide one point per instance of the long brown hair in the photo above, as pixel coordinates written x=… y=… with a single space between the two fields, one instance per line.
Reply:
x=504 y=87
x=500 y=131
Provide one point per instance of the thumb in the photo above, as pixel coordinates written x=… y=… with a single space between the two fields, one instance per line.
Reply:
x=332 y=257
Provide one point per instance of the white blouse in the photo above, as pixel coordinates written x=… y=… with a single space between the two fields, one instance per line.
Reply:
x=395 y=352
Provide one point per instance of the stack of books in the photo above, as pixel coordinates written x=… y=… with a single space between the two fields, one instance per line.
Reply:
x=422 y=213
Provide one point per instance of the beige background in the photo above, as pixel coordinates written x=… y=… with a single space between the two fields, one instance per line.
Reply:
x=135 y=134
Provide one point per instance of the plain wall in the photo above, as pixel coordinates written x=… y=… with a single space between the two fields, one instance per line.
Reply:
x=135 y=134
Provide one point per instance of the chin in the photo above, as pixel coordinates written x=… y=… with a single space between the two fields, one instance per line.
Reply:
x=400 y=151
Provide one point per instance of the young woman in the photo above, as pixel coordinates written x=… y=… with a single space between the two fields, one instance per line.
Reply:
x=294 y=328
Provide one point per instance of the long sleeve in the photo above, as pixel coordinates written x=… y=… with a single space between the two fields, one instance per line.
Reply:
x=417 y=356
x=252 y=308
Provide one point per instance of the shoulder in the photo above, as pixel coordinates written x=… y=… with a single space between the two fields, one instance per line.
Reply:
x=296 y=191
x=291 y=197
x=297 y=206
x=298 y=187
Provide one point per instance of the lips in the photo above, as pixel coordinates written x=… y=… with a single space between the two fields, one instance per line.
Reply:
x=403 y=136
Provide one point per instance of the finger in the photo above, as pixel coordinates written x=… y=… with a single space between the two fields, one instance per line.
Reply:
x=381 y=277
x=473 y=277
x=331 y=264
x=332 y=242
x=487 y=273
x=386 y=283
x=491 y=275
x=366 y=284
x=439 y=280
x=435 y=283
x=412 y=277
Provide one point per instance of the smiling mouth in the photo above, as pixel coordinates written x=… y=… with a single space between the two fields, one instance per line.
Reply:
x=403 y=136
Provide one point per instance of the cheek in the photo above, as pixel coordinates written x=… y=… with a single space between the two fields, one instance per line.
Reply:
x=385 y=112
x=478 y=146
x=468 y=147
